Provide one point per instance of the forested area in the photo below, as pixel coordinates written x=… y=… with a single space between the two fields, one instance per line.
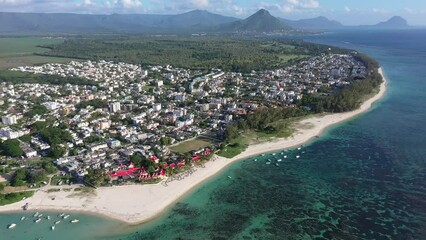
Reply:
x=226 y=53
x=261 y=120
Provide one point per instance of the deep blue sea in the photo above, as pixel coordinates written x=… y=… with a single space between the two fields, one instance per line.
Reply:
x=363 y=179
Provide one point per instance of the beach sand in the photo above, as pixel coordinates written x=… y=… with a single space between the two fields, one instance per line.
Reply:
x=135 y=204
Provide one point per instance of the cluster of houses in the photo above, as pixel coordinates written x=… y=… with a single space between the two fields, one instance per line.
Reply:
x=143 y=111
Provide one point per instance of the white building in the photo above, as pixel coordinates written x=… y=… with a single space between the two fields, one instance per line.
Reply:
x=115 y=107
x=159 y=83
x=97 y=146
x=9 y=119
x=51 y=105
x=10 y=134
x=157 y=107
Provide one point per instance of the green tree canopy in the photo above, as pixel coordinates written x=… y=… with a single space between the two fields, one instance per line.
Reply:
x=11 y=148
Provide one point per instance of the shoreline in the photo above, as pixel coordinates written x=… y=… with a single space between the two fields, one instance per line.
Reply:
x=137 y=204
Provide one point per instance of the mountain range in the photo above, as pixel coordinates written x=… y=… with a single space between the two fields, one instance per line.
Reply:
x=190 y=22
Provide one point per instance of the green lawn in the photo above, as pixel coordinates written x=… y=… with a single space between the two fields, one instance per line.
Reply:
x=14 y=197
x=236 y=147
x=191 y=145
x=16 y=52
x=282 y=128
x=287 y=57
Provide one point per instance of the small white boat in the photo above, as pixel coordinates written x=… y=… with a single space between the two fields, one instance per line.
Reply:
x=36 y=214
x=276 y=164
x=61 y=215
x=229 y=177
x=40 y=215
x=285 y=156
x=279 y=160
x=38 y=220
x=52 y=228
x=297 y=156
x=268 y=162
x=22 y=218
x=263 y=154
x=75 y=221
x=299 y=148
x=12 y=225
x=57 y=222
x=48 y=217
x=273 y=154
x=66 y=216
x=255 y=160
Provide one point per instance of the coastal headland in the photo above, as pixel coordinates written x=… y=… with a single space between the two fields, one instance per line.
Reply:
x=134 y=204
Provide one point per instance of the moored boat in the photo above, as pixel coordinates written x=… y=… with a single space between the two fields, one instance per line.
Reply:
x=52 y=228
x=12 y=225
x=75 y=221
x=37 y=220
x=57 y=222
x=22 y=218
x=66 y=216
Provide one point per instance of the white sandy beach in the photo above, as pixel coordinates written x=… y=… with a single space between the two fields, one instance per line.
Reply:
x=138 y=203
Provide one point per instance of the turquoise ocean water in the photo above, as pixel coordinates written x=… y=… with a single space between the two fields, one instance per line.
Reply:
x=363 y=179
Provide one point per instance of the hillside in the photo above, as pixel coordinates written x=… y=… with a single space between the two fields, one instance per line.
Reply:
x=261 y=21
x=11 y=23
x=394 y=22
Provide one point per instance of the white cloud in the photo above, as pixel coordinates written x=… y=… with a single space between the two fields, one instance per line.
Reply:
x=200 y=3
x=310 y=4
x=347 y=9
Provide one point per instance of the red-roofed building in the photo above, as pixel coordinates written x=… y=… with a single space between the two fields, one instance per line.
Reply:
x=154 y=159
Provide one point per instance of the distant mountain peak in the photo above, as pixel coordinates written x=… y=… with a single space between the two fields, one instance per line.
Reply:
x=262 y=11
x=261 y=21
x=394 y=22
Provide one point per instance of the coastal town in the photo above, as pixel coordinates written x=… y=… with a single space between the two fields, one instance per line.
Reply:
x=124 y=126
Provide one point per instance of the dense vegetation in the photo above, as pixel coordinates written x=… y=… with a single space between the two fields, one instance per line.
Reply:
x=95 y=103
x=11 y=148
x=14 y=197
x=23 y=77
x=24 y=176
x=261 y=120
x=230 y=54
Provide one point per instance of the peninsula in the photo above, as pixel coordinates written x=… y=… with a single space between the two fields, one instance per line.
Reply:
x=119 y=203
x=153 y=117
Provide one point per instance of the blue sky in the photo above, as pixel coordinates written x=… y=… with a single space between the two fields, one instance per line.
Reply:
x=350 y=12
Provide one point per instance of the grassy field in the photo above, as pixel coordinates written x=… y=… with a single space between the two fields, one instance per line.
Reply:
x=14 y=197
x=16 y=52
x=236 y=147
x=282 y=128
x=191 y=145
